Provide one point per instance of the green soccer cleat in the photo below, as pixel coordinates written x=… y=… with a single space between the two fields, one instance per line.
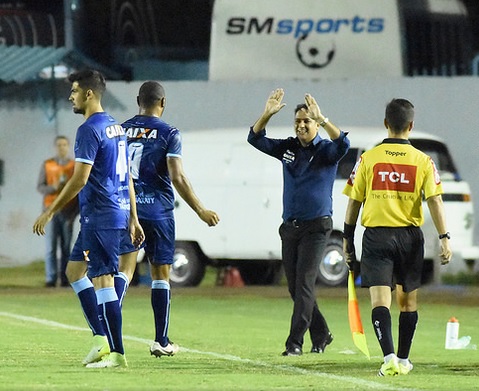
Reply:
x=391 y=368
x=100 y=348
x=404 y=369
x=112 y=360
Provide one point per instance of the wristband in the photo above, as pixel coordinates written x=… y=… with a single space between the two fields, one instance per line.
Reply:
x=348 y=231
x=446 y=235
x=324 y=122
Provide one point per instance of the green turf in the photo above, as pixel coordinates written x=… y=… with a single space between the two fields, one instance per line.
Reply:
x=231 y=339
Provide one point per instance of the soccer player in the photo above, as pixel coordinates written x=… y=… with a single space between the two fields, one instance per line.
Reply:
x=101 y=178
x=156 y=164
x=390 y=182
x=309 y=169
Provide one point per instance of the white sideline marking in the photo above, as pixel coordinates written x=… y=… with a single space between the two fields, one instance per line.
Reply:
x=288 y=368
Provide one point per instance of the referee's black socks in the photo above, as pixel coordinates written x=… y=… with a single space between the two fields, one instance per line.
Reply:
x=407 y=327
x=381 y=319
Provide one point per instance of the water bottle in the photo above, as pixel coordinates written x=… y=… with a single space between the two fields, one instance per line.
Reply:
x=452 y=333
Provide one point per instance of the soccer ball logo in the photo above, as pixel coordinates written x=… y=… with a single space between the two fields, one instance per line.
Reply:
x=311 y=56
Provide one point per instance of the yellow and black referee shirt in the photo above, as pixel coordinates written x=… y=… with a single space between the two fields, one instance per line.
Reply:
x=391 y=180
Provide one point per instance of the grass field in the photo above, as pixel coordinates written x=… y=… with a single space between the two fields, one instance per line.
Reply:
x=230 y=338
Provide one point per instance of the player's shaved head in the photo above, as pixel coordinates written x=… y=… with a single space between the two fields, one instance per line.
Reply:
x=150 y=93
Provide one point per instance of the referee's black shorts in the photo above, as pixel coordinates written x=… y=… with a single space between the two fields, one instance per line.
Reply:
x=392 y=256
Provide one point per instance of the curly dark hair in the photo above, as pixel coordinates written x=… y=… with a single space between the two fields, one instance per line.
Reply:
x=89 y=79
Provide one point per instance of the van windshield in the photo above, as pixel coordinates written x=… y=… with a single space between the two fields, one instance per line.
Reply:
x=435 y=149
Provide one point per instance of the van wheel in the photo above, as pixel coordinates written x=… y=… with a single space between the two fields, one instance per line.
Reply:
x=188 y=268
x=262 y=273
x=333 y=270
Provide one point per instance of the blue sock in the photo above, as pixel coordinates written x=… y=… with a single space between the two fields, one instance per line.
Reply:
x=160 y=301
x=121 y=286
x=86 y=294
x=110 y=315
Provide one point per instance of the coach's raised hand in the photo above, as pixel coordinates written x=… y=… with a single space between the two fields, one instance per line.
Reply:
x=313 y=108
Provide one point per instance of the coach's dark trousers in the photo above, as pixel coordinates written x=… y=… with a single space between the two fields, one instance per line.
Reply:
x=303 y=244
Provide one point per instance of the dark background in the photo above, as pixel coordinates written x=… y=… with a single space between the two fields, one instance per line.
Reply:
x=120 y=33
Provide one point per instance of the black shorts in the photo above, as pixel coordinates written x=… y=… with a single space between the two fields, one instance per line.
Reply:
x=392 y=256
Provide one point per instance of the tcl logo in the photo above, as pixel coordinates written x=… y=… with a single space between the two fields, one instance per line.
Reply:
x=393 y=176
x=396 y=177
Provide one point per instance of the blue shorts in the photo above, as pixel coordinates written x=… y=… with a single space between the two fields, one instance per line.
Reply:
x=100 y=248
x=160 y=240
x=126 y=246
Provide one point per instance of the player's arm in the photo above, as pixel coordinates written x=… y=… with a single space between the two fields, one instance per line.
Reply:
x=436 y=208
x=352 y=212
x=71 y=189
x=136 y=231
x=185 y=190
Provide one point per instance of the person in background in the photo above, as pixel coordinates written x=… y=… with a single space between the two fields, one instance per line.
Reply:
x=107 y=210
x=54 y=174
x=390 y=181
x=156 y=166
x=309 y=168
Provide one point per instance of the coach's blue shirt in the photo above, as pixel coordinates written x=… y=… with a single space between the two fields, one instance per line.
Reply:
x=150 y=142
x=104 y=200
x=308 y=172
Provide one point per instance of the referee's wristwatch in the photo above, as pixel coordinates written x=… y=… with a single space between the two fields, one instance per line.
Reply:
x=446 y=235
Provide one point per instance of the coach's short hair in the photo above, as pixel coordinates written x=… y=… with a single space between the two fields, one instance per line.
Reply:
x=399 y=114
x=300 y=106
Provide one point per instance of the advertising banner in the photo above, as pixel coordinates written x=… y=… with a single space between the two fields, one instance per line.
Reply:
x=304 y=39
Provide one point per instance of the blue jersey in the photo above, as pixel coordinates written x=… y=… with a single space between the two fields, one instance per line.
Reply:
x=150 y=142
x=104 y=200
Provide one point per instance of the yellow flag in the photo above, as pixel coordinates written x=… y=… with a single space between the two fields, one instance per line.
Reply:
x=355 y=324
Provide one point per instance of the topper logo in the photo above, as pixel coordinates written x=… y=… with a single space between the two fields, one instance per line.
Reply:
x=395 y=177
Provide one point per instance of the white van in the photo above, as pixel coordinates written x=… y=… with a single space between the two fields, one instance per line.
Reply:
x=245 y=187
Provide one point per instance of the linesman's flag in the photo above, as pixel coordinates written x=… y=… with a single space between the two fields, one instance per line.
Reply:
x=355 y=324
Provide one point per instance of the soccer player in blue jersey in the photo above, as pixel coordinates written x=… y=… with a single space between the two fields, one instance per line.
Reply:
x=155 y=153
x=107 y=211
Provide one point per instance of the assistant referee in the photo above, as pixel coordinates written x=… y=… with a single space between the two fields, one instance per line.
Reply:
x=390 y=181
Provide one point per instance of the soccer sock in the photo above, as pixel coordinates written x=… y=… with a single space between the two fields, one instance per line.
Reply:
x=381 y=319
x=160 y=301
x=110 y=315
x=86 y=294
x=407 y=328
x=121 y=286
